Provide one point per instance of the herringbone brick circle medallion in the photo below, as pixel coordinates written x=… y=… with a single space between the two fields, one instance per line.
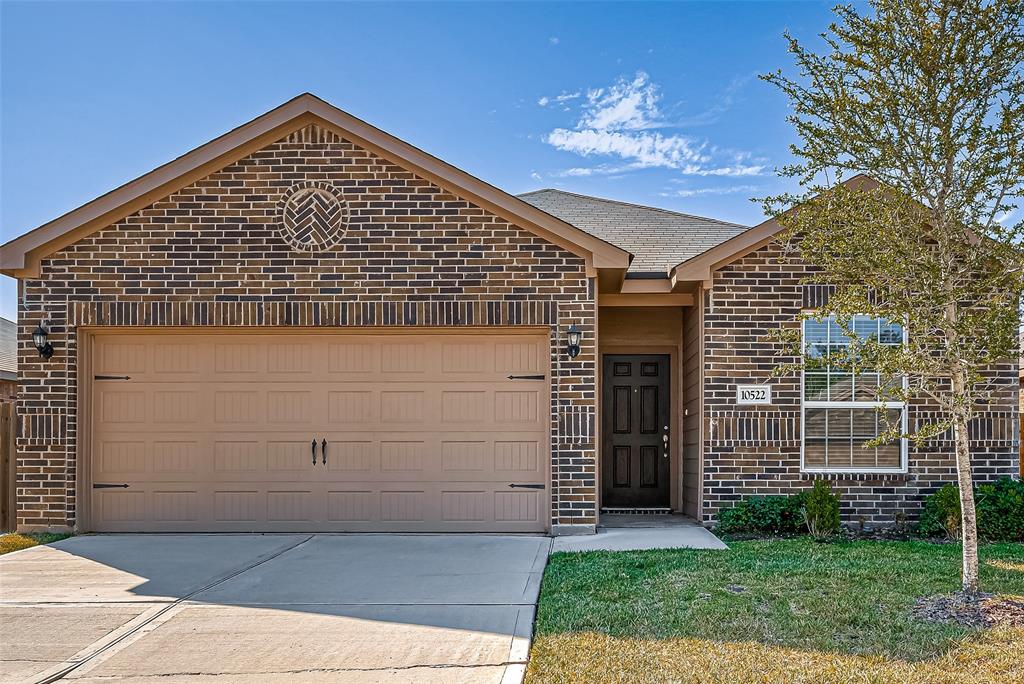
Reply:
x=313 y=217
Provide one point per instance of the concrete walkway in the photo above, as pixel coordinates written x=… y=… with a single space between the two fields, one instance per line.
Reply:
x=270 y=608
x=641 y=533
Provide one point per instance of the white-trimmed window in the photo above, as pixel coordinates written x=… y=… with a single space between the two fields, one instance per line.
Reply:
x=841 y=410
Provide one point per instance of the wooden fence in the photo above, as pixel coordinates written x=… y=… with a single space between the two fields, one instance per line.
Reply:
x=8 y=453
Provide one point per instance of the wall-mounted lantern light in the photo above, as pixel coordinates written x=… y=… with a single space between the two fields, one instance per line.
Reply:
x=573 y=348
x=39 y=336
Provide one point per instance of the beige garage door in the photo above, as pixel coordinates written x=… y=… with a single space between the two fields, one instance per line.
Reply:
x=414 y=432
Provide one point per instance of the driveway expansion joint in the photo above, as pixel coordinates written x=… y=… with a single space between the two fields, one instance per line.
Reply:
x=368 y=581
x=137 y=629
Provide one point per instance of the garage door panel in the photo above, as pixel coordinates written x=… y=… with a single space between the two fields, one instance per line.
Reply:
x=349 y=357
x=127 y=355
x=518 y=507
x=518 y=455
x=178 y=359
x=437 y=457
x=175 y=505
x=243 y=456
x=349 y=454
x=122 y=510
x=122 y=406
x=178 y=456
x=172 y=455
x=310 y=507
x=352 y=504
x=413 y=433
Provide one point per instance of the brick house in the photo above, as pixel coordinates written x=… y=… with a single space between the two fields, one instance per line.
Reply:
x=308 y=324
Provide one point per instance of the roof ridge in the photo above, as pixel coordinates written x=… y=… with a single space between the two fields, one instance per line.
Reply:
x=634 y=204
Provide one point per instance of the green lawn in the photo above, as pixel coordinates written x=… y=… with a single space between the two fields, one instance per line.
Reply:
x=770 y=611
x=17 y=542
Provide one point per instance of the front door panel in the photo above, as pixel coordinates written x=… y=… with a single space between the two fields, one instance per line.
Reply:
x=635 y=428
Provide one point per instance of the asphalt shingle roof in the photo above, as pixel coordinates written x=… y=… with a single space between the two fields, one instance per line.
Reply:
x=658 y=238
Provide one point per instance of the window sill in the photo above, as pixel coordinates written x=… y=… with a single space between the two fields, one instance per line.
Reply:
x=856 y=475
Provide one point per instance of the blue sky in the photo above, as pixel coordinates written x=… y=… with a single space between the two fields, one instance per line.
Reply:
x=657 y=104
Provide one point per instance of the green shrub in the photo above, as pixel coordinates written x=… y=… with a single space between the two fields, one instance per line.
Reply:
x=1000 y=510
x=821 y=510
x=1000 y=507
x=941 y=512
x=764 y=515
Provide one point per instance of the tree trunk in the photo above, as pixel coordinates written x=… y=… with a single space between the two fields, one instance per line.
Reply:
x=969 y=522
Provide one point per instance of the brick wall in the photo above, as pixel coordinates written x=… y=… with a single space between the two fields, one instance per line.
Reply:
x=213 y=254
x=755 y=450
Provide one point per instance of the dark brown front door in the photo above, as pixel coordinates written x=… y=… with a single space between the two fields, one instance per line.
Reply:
x=635 y=422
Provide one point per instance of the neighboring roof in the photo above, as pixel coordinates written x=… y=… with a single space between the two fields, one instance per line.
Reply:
x=8 y=349
x=20 y=257
x=658 y=238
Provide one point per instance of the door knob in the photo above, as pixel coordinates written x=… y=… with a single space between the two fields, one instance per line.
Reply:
x=323 y=452
x=313 y=444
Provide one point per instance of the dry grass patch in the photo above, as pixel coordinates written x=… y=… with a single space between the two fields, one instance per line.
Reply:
x=17 y=542
x=994 y=658
x=771 y=611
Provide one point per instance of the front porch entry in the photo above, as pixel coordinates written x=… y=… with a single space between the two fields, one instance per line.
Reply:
x=636 y=430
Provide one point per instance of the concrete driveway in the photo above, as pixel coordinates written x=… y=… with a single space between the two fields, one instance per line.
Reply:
x=270 y=608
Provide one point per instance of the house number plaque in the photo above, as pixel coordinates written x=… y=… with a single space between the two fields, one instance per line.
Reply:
x=753 y=394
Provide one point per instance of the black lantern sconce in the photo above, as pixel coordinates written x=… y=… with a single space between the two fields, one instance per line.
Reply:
x=39 y=336
x=573 y=348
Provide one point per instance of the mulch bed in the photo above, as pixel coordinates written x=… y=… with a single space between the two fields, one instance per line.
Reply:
x=977 y=611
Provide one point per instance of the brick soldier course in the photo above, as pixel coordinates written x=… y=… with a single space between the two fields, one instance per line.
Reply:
x=308 y=218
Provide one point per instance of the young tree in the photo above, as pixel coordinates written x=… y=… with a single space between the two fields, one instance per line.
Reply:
x=911 y=161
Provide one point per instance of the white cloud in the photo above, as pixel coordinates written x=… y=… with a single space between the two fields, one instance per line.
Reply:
x=624 y=121
x=599 y=170
x=698 y=192
x=626 y=105
x=558 y=99
x=735 y=170
x=642 y=149
x=553 y=40
x=1006 y=216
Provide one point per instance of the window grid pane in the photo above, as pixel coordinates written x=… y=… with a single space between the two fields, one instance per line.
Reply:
x=834 y=436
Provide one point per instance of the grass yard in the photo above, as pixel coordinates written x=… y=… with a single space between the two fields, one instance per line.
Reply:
x=17 y=542
x=770 y=611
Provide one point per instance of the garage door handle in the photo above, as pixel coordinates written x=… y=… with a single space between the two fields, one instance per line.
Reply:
x=526 y=486
x=313 y=444
x=323 y=453
x=106 y=485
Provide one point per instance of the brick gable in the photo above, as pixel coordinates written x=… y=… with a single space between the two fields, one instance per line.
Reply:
x=213 y=254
